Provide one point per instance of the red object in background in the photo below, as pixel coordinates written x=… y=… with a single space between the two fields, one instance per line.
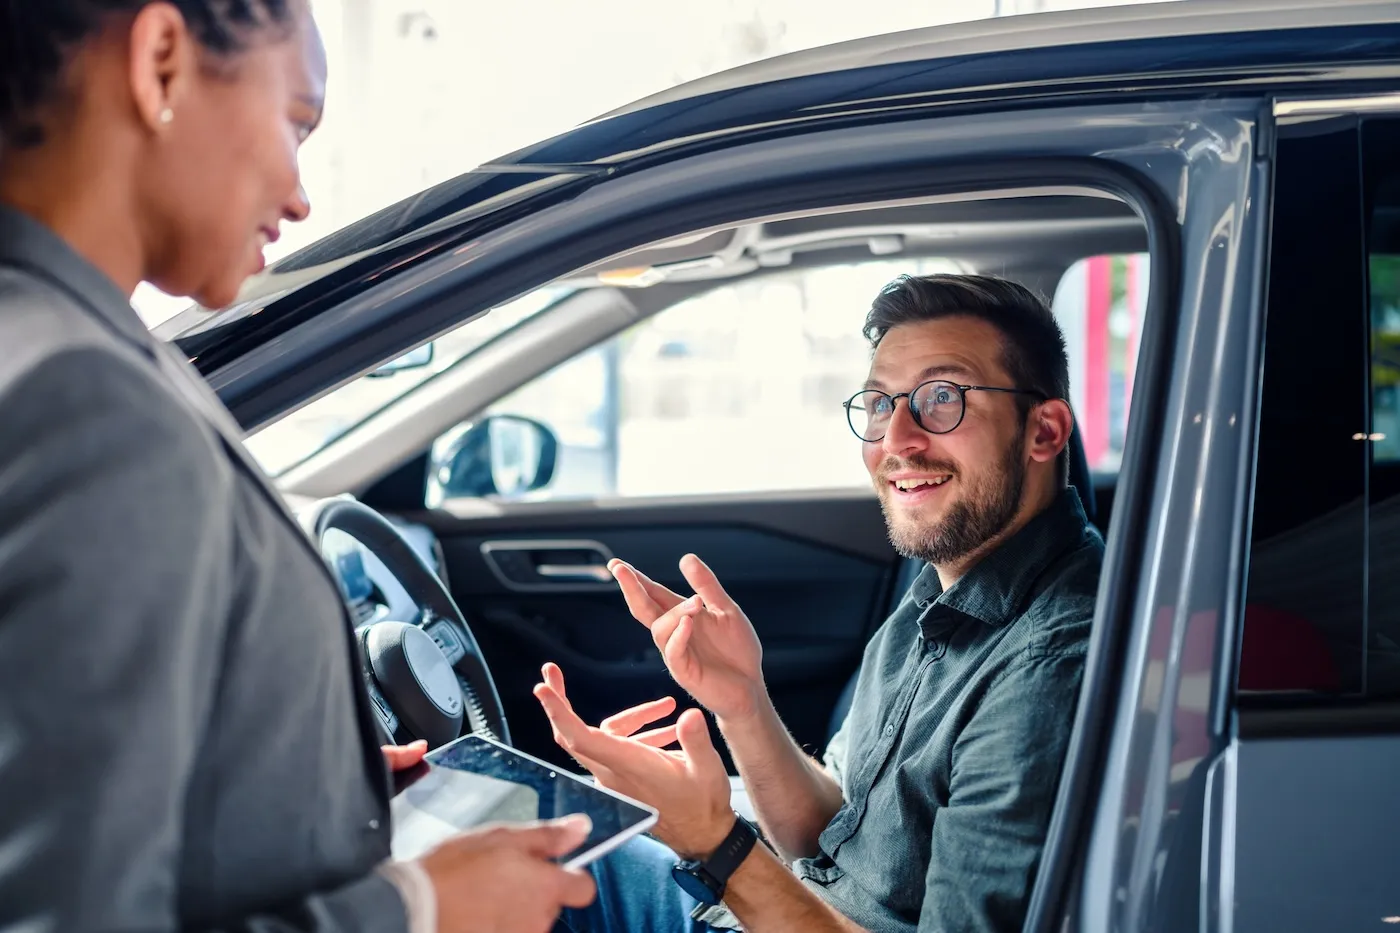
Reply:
x=1134 y=274
x=1282 y=651
x=1093 y=421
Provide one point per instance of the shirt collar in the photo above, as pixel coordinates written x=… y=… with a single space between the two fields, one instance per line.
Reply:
x=994 y=590
x=28 y=244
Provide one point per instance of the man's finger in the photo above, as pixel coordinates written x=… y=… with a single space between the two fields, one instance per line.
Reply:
x=694 y=735
x=553 y=837
x=665 y=626
x=664 y=598
x=567 y=725
x=643 y=608
x=630 y=720
x=554 y=678
x=706 y=585
x=673 y=653
x=657 y=738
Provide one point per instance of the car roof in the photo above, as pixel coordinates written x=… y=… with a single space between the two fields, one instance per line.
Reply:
x=1001 y=61
x=1023 y=33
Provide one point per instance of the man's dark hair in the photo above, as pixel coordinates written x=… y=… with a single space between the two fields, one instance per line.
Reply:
x=1032 y=346
x=38 y=38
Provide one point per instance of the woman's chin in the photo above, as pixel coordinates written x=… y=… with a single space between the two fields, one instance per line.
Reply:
x=218 y=295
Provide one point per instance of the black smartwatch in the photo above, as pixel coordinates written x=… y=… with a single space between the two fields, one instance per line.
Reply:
x=705 y=880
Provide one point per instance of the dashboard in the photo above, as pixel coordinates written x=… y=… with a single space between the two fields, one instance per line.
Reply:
x=373 y=592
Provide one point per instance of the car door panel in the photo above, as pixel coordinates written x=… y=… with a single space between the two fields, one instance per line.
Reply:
x=813 y=573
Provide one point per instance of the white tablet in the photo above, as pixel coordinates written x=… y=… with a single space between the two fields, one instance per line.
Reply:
x=475 y=780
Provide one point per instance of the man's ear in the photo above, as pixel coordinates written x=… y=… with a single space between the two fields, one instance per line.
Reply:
x=162 y=58
x=1049 y=426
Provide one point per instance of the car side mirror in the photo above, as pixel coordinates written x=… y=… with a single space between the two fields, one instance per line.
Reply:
x=501 y=455
x=413 y=359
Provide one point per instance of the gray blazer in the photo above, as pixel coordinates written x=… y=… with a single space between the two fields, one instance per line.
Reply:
x=185 y=741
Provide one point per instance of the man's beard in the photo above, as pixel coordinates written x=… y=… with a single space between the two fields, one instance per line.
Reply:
x=984 y=509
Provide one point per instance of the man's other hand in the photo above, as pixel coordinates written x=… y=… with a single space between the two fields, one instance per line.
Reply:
x=502 y=879
x=707 y=642
x=689 y=788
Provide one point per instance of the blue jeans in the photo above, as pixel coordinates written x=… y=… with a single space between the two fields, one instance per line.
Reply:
x=636 y=894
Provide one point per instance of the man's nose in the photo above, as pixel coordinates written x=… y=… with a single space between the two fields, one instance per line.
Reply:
x=903 y=435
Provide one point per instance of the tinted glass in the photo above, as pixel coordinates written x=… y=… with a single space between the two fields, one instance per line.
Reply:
x=1381 y=174
x=1305 y=597
x=1323 y=600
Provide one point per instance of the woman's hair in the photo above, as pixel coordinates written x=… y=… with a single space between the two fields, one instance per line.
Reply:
x=37 y=37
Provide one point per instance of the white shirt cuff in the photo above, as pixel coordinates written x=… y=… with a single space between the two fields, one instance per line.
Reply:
x=416 y=889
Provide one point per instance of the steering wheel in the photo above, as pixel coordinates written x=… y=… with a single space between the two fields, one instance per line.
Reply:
x=427 y=676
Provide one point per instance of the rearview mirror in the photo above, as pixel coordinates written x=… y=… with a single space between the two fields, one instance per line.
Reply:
x=502 y=455
x=413 y=359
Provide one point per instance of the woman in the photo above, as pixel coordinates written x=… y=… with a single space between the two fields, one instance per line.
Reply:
x=184 y=739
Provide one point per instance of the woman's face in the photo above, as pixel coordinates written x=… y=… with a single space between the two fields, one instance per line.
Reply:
x=223 y=174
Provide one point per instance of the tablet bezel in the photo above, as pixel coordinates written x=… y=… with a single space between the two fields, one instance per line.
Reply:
x=587 y=855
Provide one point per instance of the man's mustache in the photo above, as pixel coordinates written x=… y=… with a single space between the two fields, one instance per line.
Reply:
x=922 y=464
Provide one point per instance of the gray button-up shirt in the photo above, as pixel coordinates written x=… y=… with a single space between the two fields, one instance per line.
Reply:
x=951 y=755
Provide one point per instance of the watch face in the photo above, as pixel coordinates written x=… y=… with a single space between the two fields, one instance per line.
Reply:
x=692 y=881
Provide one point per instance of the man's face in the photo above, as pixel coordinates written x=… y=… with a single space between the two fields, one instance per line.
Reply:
x=946 y=495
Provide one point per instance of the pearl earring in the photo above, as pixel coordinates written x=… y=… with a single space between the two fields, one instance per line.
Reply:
x=167 y=115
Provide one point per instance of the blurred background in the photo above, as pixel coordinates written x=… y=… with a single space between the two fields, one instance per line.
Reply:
x=423 y=90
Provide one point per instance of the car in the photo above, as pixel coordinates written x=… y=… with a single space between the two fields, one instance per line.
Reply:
x=631 y=339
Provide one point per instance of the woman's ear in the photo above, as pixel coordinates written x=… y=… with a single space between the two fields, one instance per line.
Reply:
x=1050 y=425
x=161 y=59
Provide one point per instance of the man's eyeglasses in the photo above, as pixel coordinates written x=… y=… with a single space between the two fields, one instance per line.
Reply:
x=938 y=407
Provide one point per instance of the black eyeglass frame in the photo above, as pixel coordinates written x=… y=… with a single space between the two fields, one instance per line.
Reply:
x=914 y=412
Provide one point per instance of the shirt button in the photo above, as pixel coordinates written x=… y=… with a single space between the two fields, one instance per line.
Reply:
x=373 y=824
x=889 y=729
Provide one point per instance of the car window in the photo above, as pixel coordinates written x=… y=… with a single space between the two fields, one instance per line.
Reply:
x=739 y=390
x=713 y=394
x=1322 y=611
x=1100 y=303
x=301 y=434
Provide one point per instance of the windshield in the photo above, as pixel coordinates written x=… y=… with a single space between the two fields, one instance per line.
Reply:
x=303 y=433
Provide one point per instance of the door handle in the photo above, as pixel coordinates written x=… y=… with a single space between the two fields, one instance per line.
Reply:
x=592 y=573
x=553 y=565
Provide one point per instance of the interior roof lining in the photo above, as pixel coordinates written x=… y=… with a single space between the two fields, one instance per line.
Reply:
x=1026 y=214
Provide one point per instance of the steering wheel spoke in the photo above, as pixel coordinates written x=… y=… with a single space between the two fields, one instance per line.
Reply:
x=426 y=679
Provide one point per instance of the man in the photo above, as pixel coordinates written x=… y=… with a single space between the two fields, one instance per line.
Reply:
x=933 y=804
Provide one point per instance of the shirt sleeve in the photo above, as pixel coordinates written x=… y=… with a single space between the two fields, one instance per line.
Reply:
x=115 y=578
x=1006 y=767
x=834 y=758
x=416 y=889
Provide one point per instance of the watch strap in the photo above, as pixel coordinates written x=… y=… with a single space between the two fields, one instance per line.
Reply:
x=732 y=851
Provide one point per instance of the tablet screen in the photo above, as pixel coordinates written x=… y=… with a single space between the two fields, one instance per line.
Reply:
x=473 y=781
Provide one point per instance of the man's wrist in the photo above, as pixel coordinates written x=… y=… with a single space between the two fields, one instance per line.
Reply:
x=706 y=876
x=703 y=843
x=760 y=710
